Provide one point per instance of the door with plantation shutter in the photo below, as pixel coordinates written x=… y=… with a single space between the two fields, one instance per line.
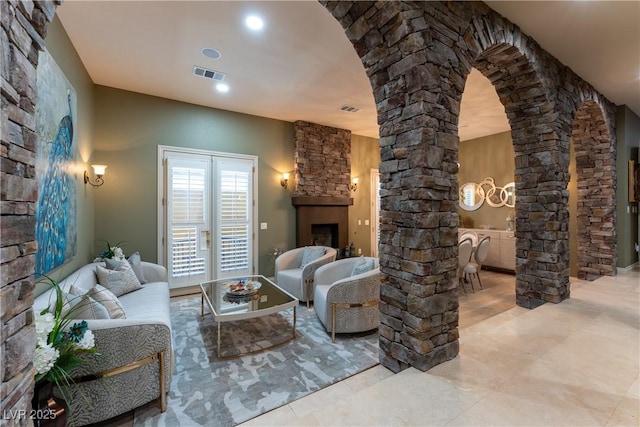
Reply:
x=233 y=218
x=208 y=216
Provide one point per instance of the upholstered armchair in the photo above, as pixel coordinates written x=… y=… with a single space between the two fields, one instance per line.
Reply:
x=346 y=295
x=295 y=269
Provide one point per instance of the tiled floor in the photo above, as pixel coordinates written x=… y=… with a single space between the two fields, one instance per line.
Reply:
x=574 y=363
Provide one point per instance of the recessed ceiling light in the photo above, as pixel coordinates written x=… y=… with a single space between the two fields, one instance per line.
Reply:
x=221 y=87
x=211 y=53
x=254 y=22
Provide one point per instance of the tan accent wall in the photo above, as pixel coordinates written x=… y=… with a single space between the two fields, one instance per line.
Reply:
x=489 y=156
x=365 y=155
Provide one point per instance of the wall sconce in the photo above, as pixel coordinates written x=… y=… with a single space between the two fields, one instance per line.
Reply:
x=98 y=170
x=284 y=181
x=354 y=186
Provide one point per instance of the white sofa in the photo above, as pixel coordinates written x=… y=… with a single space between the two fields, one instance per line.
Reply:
x=127 y=372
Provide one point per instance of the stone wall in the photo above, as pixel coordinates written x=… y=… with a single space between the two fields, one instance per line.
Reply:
x=322 y=159
x=24 y=25
x=596 y=182
x=417 y=56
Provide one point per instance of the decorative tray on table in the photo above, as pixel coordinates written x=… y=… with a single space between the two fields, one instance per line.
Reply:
x=241 y=290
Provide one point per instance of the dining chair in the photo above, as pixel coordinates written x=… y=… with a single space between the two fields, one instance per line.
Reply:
x=469 y=235
x=465 y=248
x=472 y=269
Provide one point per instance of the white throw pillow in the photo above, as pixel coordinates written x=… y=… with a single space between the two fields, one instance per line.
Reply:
x=105 y=297
x=119 y=282
x=311 y=253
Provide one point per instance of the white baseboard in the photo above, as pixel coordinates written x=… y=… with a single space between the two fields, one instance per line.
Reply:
x=628 y=268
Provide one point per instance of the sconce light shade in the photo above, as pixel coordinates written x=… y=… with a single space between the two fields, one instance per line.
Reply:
x=99 y=170
x=284 y=181
x=354 y=185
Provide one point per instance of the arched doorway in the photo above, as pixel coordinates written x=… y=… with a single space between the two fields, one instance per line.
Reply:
x=418 y=57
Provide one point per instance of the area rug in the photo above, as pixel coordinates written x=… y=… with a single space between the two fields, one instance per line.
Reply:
x=210 y=391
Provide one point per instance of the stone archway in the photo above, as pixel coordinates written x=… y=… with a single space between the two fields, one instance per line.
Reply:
x=596 y=182
x=417 y=56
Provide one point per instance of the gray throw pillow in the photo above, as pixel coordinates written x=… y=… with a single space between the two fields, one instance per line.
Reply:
x=362 y=266
x=119 y=282
x=311 y=253
x=136 y=264
x=85 y=307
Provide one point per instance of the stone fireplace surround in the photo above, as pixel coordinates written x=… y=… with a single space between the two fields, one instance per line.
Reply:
x=322 y=178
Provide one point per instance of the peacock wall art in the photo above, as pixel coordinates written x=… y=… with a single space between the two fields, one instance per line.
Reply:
x=57 y=193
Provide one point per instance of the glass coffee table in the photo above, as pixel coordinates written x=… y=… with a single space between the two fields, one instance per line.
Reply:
x=246 y=297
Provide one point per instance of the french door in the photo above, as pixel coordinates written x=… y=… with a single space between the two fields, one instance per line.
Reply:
x=207 y=213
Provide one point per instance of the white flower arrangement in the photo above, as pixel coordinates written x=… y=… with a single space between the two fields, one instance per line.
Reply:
x=112 y=252
x=59 y=341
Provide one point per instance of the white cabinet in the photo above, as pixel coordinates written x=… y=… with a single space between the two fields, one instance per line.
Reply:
x=502 y=249
x=507 y=250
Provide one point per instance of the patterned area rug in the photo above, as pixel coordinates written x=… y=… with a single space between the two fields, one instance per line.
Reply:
x=209 y=391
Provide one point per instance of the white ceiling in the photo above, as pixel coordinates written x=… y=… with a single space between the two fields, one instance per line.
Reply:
x=302 y=67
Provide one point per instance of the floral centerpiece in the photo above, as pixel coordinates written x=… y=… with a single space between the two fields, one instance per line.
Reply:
x=59 y=341
x=112 y=252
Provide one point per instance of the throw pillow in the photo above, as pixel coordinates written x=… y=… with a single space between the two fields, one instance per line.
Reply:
x=119 y=282
x=362 y=266
x=84 y=307
x=136 y=265
x=114 y=263
x=311 y=253
x=105 y=297
x=67 y=303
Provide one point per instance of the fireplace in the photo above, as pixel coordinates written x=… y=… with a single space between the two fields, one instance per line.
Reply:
x=322 y=221
x=325 y=234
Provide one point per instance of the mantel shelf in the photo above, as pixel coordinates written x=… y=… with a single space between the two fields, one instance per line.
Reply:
x=321 y=201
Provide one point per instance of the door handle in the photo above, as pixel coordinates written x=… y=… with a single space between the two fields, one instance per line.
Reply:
x=205 y=235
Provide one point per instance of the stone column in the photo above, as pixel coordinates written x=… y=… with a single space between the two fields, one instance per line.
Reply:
x=24 y=26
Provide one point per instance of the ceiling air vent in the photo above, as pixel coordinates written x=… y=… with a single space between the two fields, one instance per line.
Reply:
x=209 y=74
x=349 y=108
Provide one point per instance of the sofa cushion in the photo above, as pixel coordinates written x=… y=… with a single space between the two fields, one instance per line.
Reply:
x=105 y=297
x=119 y=282
x=311 y=253
x=362 y=266
x=150 y=303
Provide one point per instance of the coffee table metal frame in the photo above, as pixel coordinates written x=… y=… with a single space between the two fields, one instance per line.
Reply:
x=243 y=314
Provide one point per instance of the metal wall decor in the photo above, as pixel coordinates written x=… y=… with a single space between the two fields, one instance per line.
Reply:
x=473 y=195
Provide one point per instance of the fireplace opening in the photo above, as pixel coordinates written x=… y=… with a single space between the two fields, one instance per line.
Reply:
x=325 y=235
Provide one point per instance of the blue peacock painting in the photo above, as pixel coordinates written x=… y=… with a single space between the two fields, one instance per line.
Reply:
x=56 y=199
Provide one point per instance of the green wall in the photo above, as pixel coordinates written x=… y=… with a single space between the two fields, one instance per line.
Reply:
x=628 y=136
x=61 y=49
x=123 y=130
x=129 y=128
